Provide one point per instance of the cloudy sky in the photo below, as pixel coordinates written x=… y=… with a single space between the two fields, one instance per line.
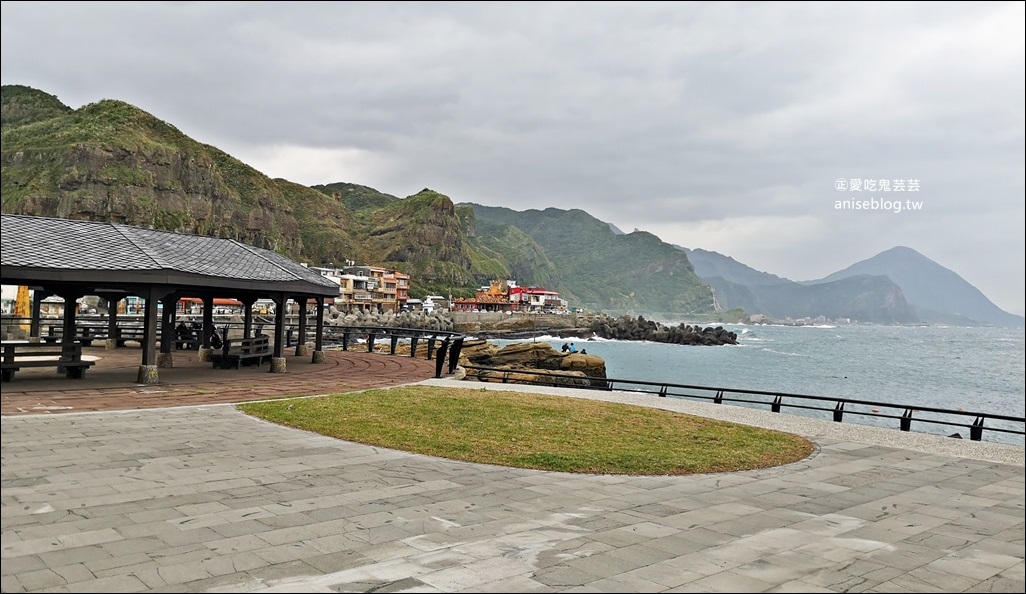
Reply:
x=714 y=125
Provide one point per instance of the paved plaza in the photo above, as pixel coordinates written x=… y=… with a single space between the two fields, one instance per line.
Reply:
x=110 y=486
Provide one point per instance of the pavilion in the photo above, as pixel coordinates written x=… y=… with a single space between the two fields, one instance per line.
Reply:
x=73 y=258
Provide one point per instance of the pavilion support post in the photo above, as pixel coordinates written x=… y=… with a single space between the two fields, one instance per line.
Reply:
x=278 y=350
x=37 y=309
x=318 y=354
x=166 y=357
x=70 y=309
x=208 y=329
x=68 y=337
x=301 y=341
x=151 y=321
x=112 y=320
x=247 y=316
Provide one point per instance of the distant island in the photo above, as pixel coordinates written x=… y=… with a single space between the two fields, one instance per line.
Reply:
x=897 y=286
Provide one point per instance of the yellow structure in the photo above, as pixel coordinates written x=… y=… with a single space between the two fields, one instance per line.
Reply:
x=23 y=307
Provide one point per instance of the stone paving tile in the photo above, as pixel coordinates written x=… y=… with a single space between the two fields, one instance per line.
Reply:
x=226 y=503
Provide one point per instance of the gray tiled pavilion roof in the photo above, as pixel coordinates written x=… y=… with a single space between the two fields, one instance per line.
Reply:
x=37 y=249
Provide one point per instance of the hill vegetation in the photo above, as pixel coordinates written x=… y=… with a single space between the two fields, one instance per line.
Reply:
x=112 y=161
x=607 y=271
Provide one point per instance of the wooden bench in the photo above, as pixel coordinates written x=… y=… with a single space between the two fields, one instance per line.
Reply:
x=126 y=333
x=67 y=358
x=88 y=334
x=239 y=351
x=189 y=342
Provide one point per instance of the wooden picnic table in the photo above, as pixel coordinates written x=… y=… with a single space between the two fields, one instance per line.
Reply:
x=66 y=358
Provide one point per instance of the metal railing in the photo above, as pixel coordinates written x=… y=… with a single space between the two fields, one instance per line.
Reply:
x=443 y=345
x=440 y=345
x=831 y=407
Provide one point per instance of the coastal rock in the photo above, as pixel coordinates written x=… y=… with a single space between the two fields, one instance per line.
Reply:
x=529 y=356
x=627 y=328
x=517 y=325
x=569 y=379
x=419 y=320
x=523 y=326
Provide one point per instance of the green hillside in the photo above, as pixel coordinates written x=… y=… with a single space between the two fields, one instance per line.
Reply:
x=112 y=161
x=609 y=271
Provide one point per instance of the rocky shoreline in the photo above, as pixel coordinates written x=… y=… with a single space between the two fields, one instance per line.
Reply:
x=533 y=362
x=626 y=328
x=517 y=326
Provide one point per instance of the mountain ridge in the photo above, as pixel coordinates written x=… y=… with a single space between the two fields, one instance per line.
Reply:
x=930 y=287
x=863 y=298
x=110 y=160
x=919 y=279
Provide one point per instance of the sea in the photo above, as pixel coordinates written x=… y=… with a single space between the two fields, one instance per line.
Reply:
x=978 y=370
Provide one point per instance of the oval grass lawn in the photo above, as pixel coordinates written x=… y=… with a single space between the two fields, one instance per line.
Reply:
x=537 y=431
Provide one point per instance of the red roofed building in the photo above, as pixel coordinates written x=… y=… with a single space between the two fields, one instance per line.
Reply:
x=536 y=299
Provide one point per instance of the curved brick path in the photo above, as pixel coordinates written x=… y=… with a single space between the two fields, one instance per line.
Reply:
x=110 y=384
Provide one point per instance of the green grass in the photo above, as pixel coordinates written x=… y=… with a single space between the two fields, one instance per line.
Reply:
x=536 y=431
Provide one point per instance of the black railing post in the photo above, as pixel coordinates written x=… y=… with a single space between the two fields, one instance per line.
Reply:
x=662 y=391
x=906 y=420
x=718 y=398
x=440 y=357
x=392 y=344
x=775 y=407
x=976 y=430
x=839 y=412
x=431 y=346
x=345 y=340
x=413 y=345
x=370 y=342
x=454 y=353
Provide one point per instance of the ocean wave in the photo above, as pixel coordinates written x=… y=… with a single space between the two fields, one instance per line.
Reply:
x=573 y=339
x=785 y=353
x=560 y=339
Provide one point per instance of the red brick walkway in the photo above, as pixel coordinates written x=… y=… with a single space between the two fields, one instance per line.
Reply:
x=111 y=383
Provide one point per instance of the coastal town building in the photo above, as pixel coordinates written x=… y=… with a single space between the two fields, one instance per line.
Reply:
x=505 y=295
x=368 y=288
x=433 y=302
x=537 y=299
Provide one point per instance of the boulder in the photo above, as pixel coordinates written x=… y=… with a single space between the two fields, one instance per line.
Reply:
x=529 y=356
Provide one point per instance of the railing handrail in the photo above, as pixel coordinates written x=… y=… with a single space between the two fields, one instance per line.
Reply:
x=905 y=419
x=814 y=397
x=606 y=383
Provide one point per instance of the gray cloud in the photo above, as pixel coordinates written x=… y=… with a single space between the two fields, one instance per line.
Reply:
x=714 y=125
